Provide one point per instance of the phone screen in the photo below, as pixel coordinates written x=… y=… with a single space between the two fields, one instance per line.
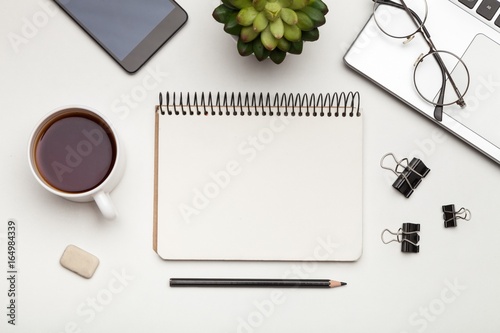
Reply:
x=120 y=26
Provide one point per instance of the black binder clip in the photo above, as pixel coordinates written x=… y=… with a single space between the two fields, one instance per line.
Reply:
x=451 y=216
x=409 y=174
x=408 y=237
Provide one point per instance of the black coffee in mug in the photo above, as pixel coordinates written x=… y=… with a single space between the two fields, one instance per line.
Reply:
x=75 y=151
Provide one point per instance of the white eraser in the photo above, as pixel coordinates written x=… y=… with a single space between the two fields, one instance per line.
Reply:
x=79 y=261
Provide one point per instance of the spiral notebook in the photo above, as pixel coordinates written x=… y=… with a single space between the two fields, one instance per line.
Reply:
x=258 y=177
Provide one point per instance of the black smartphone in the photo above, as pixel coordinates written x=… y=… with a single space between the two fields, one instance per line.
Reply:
x=130 y=31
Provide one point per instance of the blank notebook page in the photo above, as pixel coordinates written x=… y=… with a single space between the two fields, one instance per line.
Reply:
x=258 y=188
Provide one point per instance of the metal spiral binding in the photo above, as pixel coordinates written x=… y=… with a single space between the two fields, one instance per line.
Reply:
x=257 y=104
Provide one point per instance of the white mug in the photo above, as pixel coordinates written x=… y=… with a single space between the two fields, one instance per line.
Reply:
x=74 y=152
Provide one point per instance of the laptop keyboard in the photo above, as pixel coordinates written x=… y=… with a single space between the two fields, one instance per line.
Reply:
x=486 y=10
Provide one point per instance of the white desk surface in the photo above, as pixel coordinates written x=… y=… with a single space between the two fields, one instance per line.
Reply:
x=450 y=286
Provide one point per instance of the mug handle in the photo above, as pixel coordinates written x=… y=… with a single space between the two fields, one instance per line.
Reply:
x=103 y=201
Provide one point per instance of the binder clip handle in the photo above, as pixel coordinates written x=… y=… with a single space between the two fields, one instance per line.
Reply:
x=464 y=214
x=407 y=236
x=451 y=216
x=398 y=235
x=398 y=164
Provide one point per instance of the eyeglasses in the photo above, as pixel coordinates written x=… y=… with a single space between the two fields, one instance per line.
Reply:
x=432 y=79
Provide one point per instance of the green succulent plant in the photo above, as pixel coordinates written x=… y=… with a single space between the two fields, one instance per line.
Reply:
x=271 y=28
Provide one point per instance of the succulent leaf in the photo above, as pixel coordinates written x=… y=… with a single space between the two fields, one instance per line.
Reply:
x=228 y=4
x=259 y=50
x=311 y=35
x=299 y=4
x=260 y=22
x=244 y=49
x=285 y=3
x=240 y=4
x=320 y=5
x=268 y=40
x=315 y=15
x=246 y=16
x=231 y=26
x=284 y=45
x=259 y=4
x=221 y=13
x=296 y=47
x=272 y=11
x=277 y=56
x=304 y=22
x=292 y=33
x=277 y=28
x=289 y=16
x=248 y=34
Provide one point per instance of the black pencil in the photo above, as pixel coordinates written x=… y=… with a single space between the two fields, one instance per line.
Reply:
x=255 y=283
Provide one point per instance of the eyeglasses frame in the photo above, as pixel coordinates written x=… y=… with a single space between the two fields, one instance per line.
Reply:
x=445 y=74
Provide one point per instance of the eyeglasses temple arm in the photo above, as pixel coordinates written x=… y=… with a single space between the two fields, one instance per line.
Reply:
x=446 y=75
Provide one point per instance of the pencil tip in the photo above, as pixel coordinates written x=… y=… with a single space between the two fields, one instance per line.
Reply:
x=334 y=284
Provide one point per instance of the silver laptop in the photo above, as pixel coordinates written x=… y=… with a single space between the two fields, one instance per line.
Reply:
x=467 y=35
